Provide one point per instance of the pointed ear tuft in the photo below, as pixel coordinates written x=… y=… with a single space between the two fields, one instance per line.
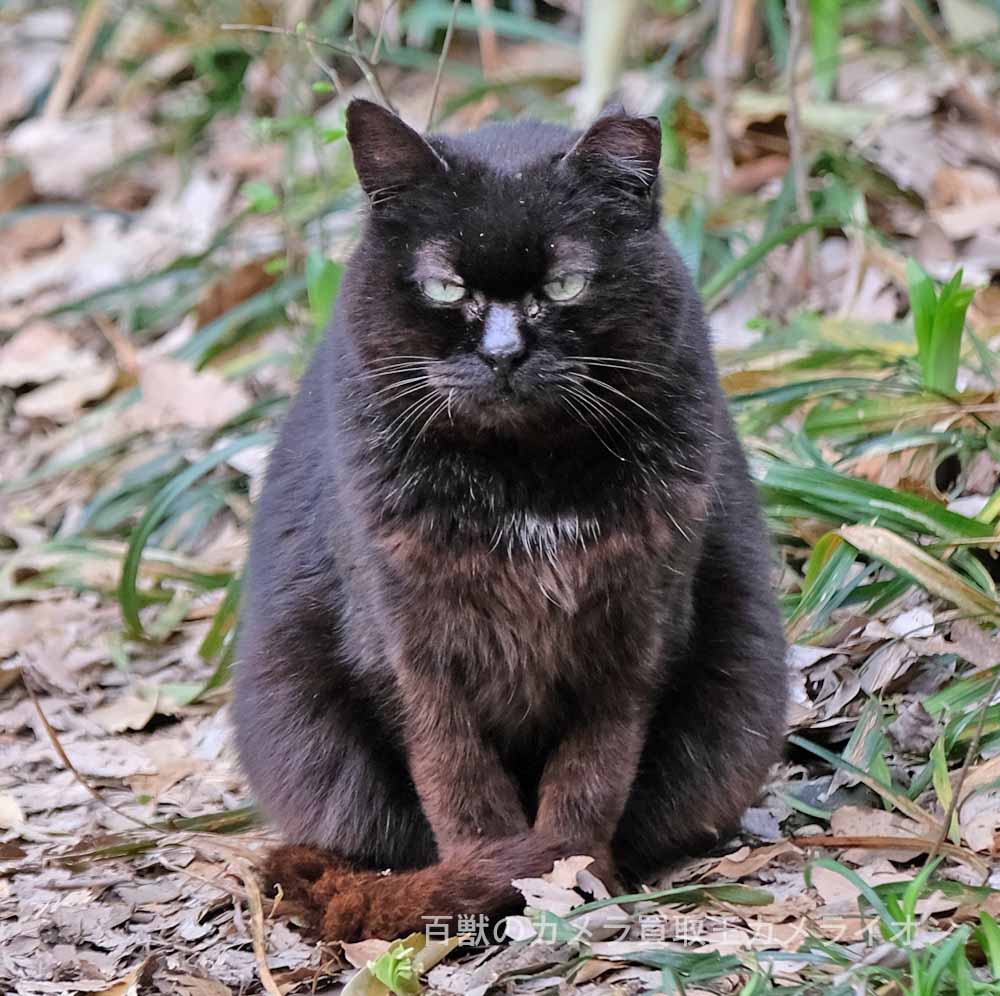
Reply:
x=389 y=155
x=621 y=150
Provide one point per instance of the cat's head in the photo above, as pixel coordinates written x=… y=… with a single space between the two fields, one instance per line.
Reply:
x=512 y=277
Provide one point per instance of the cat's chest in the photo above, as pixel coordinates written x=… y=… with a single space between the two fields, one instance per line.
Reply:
x=533 y=608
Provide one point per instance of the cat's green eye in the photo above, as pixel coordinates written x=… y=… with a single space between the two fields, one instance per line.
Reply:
x=442 y=291
x=565 y=288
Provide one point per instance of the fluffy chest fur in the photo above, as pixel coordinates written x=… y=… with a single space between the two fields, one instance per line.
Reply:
x=545 y=605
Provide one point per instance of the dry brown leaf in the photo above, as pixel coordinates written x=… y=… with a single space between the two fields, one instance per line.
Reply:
x=233 y=288
x=594 y=968
x=953 y=186
x=746 y=861
x=257 y=929
x=127 y=712
x=30 y=235
x=108 y=758
x=979 y=646
x=863 y=821
x=63 y=399
x=979 y=816
x=15 y=185
x=41 y=352
x=92 y=142
x=173 y=394
x=565 y=870
x=362 y=952
x=11 y=814
x=980 y=775
x=965 y=220
x=984 y=312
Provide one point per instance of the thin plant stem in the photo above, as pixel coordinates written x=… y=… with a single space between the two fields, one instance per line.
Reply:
x=441 y=61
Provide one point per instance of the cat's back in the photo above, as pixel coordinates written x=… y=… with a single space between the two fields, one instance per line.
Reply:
x=292 y=512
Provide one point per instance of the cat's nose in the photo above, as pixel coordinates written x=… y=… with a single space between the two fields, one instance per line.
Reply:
x=502 y=346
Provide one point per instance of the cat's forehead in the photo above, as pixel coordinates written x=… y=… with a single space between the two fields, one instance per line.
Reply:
x=507 y=148
x=504 y=216
x=444 y=258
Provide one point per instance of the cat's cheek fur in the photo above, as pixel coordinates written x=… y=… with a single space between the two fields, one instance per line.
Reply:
x=470 y=644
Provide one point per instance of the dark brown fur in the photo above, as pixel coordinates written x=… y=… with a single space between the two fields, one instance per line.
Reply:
x=521 y=623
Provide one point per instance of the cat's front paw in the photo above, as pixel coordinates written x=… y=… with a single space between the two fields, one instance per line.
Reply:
x=295 y=868
x=307 y=878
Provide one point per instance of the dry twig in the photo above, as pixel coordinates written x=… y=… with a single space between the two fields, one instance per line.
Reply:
x=365 y=66
x=441 y=61
x=796 y=143
x=257 y=930
x=719 y=73
x=75 y=59
x=64 y=757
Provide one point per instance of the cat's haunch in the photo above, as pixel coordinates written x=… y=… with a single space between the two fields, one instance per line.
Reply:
x=508 y=596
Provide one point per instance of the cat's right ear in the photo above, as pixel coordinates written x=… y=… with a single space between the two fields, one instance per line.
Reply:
x=620 y=151
x=389 y=156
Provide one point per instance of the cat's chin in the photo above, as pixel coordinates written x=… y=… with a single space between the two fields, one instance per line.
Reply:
x=500 y=413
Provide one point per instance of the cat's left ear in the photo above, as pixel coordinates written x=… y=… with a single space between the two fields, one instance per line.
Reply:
x=389 y=156
x=621 y=150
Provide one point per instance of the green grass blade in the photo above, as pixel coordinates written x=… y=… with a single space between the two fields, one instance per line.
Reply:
x=128 y=594
x=910 y=560
x=712 y=289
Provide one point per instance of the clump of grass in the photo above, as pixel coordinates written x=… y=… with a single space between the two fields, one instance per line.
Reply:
x=938 y=322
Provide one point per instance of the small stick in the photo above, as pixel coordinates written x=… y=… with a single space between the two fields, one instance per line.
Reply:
x=76 y=58
x=380 y=37
x=489 y=52
x=796 y=143
x=441 y=61
x=357 y=57
x=722 y=157
x=64 y=757
x=257 y=931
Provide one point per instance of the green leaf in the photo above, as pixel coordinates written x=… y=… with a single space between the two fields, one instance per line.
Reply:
x=915 y=563
x=889 y=923
x=827 y=569
x=432 y=15
x=555 y=929
x=248 y=315
x=128 y=594
x=712 y=289
x=322 y=283
x=923 y=304
x=942 y=786
x=946 y=338
x=396 y=971
x=845 y=499
x=727 y=892
x=262 y=198
x=988 y=933
x=824 y=22
x=938 y=324
x=900 y=801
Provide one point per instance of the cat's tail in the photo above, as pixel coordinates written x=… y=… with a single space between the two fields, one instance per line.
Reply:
x=345 y=904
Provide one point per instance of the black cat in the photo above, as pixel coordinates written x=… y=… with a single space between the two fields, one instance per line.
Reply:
x=508 y=596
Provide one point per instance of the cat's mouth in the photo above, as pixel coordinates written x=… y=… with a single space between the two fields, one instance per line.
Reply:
x=494 y=398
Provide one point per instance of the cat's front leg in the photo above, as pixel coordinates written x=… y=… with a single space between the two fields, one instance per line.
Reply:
x=466 y=794
x=587 y=781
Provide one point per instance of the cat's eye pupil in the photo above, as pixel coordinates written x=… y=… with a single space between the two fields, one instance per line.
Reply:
x=565 y=288
x=442 y=291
